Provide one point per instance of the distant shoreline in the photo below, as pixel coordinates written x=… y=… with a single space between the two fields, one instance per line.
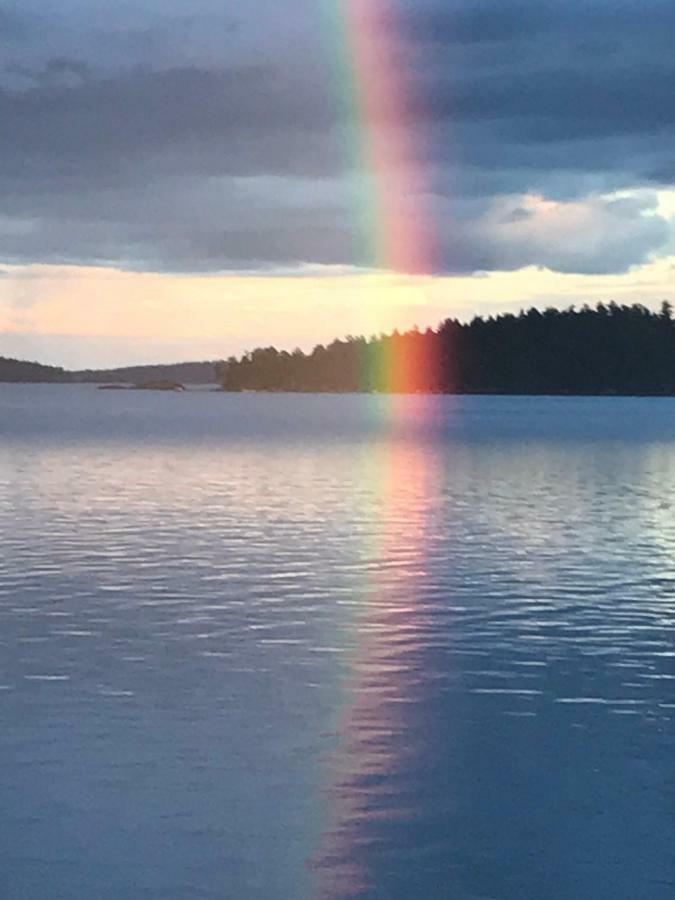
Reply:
x=609 y=350
x=224 y=392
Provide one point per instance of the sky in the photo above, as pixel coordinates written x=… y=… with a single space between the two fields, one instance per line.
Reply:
x=187 y=180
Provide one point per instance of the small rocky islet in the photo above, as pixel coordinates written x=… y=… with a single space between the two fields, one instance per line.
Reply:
x=162 y=384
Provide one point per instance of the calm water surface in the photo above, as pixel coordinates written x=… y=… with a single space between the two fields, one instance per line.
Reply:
x=289 y=647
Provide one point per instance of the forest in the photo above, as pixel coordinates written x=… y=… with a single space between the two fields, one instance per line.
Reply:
x=609 y=349
x=20 y=371
x=15 y=370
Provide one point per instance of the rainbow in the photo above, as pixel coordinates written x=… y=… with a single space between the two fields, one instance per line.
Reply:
x=394 y=228
x=397 y=234
x=384 y=107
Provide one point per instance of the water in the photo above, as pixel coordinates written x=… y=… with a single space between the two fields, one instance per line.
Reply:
x=287 y=647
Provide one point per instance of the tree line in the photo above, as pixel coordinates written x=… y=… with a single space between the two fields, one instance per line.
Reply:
x=20 y=371
x=609 y=349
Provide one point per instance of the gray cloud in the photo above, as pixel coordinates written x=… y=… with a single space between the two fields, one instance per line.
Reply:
x=237 y=121
x=13 y=25
x=60 y=72
x=509 y=21
x=195 y=142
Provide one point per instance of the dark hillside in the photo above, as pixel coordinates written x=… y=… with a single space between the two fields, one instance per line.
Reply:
x=17 y=370
x=186 y=373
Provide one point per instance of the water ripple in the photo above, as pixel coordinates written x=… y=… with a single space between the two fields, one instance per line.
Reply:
x=341 y=665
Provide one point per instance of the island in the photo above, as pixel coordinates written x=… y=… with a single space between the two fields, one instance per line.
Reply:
x=160 y=384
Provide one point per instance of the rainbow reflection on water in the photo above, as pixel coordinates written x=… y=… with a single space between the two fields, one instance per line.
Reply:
x=378 y=743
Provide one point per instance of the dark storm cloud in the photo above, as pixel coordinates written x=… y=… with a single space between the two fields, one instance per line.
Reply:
x=248 y=118
x=189 y=140
x=498 y=21
x=54 y=72
x=13 y=25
